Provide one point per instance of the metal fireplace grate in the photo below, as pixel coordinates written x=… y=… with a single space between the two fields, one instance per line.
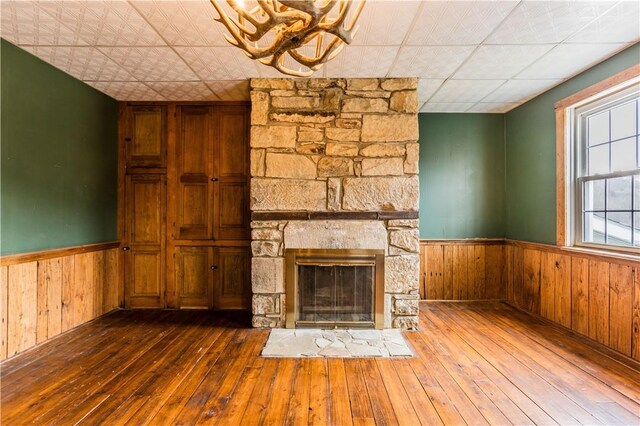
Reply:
x=330 y=288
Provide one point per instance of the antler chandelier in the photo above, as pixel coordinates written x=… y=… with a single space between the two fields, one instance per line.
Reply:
x=285 y=27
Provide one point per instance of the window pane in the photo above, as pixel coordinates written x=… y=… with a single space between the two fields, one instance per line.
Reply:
x=598 y=128
x=636 y=229
x=636 y=192
x=623 y=121
x=619 y=193
x=623 y=155
x=594 y=195
x=593 y=228
x=598 y=160
x=619 y=229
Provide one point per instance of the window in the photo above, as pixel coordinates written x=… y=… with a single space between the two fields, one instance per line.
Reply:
x=605 y=169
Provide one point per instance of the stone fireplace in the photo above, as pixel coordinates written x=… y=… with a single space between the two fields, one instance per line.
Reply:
x=334 y=166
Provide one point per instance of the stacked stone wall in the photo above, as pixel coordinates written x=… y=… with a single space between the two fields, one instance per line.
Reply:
x=334 y=145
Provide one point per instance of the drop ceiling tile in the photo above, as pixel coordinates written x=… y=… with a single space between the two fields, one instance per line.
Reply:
x=620 y=24
x=183 y=90
x=566 y=60
x=500 y=61
x=23 y=23
x=230 y=90
x=519 y=90
x=83 y=62
x=427 y=87
x=184 y=23
x=104 y=23
x=429 y=61
x=493 y=107
x=446 y=106
x=535 y=22
x=151 y=63
x=127 y=91
x=218 y=63
x=461 y=91
x=362 y=61
x=384 y=22
x=457 y=22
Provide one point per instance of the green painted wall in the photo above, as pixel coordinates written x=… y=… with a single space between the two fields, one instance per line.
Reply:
x=530 y=153
x=58 y=157
x=462 y=188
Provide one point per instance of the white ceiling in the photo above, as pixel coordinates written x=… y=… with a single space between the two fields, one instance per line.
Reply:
x=470 y=56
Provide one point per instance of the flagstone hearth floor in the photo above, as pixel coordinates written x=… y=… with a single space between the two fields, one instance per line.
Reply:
x=304 y=343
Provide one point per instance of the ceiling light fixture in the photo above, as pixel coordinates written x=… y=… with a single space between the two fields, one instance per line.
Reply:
x=285 y=27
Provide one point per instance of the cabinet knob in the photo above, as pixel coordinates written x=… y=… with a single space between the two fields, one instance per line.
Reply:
x=126 y=248
x=127 y=139
x=214 y=179
x=214 y=267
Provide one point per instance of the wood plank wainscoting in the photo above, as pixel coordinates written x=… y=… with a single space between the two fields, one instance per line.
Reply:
x=44 y=294
x=596 y=296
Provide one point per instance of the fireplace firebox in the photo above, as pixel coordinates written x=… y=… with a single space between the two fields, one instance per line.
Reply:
x=334 y=288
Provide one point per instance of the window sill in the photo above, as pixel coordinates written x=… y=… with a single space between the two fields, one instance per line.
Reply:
x=612 y=254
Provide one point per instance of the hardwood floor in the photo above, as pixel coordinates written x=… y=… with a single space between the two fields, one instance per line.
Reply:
x=476 y=363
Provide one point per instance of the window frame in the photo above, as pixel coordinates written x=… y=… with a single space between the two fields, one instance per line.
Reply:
x=568 y=185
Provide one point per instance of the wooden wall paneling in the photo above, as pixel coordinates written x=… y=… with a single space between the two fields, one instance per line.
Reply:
x=459 y=272
x=111 y=282
x=471 y=272
x=532 y=262
x=518 y=277
x=423 y=272
x=480 y=272
x=621 y=307
x=509 y=272
x=68 y=290
x=434 y=272
x=4 y=281
x=635 y=325
x=146 y=136
x=494 y=272
x=49 y=299
x=22 y=307
x=84 y=287
x=599 y=301
x=230 y=277
x=547 y=285
x=562 y=278
x=447 y=275
x=580 y=295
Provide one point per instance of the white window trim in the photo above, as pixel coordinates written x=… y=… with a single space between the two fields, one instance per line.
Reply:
x=570 y=184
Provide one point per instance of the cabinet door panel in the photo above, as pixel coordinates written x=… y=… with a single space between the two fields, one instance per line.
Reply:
x=145 y=238
x=232 y=278
x=231 y=164
x=233 y=217
x=194 y=169
x=147 y=136
x=194 y=276
x=232 y=140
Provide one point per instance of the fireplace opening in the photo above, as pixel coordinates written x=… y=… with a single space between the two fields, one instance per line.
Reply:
x=334 y=288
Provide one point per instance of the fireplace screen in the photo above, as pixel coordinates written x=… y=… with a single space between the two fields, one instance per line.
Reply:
x=335 y=288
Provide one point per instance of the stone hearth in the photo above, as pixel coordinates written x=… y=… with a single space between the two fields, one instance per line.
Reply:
x=334 y=164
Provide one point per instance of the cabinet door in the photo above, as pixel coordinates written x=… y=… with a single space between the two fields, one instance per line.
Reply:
x=231 y=167
x=232 y=277
x=145 y=241
x=194 y=277
x=194 y=170
x=146 y=136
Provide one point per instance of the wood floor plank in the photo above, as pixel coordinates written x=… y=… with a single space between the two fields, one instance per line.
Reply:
x=475 y=363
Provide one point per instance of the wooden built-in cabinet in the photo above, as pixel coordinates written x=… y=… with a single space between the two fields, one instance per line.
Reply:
x=185 y=205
